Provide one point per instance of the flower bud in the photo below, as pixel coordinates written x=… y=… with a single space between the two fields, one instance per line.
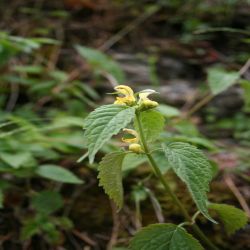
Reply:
x=136 y=148
x=147 y=104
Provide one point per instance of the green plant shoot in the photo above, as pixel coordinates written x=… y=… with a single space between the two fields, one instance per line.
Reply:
x=134 y=114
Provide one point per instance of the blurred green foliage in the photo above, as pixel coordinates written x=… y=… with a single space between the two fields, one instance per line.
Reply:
x=42 y=107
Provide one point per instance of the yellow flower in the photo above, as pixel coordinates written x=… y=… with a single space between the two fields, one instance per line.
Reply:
x=144 y=102
x=131 y=132
x=127 y=95
x=134 y=146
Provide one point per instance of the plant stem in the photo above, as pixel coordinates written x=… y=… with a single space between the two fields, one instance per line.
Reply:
x=175 y=199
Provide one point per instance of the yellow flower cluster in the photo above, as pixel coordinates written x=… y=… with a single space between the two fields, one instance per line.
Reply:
x=128 y=97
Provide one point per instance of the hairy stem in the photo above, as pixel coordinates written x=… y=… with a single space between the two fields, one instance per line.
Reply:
x=175 y=199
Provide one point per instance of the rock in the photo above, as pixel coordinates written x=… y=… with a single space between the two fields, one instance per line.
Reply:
x=135 y=67
x=170 y=67
x=228 y=103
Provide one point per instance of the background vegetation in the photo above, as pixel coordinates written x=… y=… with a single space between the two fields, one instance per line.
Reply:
x=58 y=59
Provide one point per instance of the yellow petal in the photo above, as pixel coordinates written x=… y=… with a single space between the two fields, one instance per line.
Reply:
x=131 y=132
x=125 y=90
x=127 y=100
x=143 y=95
x=120 y=101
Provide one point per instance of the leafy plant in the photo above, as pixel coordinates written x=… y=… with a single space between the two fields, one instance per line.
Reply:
x=13 y=45
x=187 y=161
x=101 y=63
x=219 y=80
x=44 y=222
x=36 y=138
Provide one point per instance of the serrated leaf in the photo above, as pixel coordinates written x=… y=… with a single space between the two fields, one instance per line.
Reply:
x=101 y=62
x=152 y=124
x=103 y=123
x=57 y=173
x=219 y=80
x=164 y=237
x=200 y=141
x=232 y=217
x=110 y=176
x=47 y=202
x=192 y=167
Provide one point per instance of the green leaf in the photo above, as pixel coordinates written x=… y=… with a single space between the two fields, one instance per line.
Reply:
x=103 y=123
x=186 y=127
x=139 y=193
x=57 y=173
x=160 y=160
x=29 y=69
x=101 y=62
x=110 y=176
x=18 y=159
x=30 y=228
x=152 y=124
x=220 y=80
x=164 y=237
x=168 y=111
x=232 y=217
x=47 y=202
x=133 y=160
x=193 y=168
x=64 y=222
x=197 y=141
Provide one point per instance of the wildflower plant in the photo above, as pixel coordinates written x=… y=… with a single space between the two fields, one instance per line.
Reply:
x=137 y=111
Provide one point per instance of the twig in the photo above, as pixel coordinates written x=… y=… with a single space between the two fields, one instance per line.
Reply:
x=84 y=237
x=245 y=67
x=13 y=97
x=116 y=226
x=73 y=241
x=56 y=53
x=193 y=220
x=123 y=32
x=78 y=191
x=222 y=29
x=200 y=104
x=156 y=206
x=210 y=96
x=231 y=185
x=110 y=78
x=138 y=218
